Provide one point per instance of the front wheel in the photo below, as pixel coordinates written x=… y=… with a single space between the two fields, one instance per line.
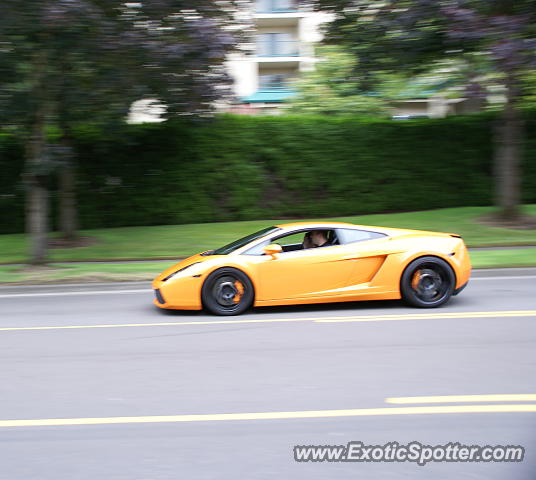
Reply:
x=427 y=282
x=227 y=291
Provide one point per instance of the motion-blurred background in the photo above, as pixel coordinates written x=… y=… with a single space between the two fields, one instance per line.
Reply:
x=153 y=130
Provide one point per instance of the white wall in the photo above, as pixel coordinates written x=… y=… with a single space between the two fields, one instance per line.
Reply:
x=244 y=72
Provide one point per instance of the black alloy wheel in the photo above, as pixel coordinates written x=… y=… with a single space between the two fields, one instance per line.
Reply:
x=427 y=282
x=227 y=291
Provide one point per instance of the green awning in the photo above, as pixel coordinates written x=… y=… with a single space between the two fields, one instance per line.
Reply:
x=268 y=96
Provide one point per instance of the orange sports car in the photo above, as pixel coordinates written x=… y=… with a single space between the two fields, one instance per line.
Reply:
x=316 y=262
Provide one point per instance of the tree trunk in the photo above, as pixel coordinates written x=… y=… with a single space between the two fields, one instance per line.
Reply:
x=508 y=151
x=37 y=221
x=67 y=202
x=36 y=165
x=36 y=197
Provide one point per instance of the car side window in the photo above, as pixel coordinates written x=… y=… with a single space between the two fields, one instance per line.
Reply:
x=351 y=235
x=290 y=242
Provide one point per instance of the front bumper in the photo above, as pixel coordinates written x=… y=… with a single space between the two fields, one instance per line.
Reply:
x=458 y=290
x=159 y=297
x=178 y=293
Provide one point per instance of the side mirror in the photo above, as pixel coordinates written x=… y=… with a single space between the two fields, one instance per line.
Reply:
x=273 y=249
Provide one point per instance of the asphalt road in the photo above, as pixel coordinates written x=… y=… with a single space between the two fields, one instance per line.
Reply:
x=319 y=360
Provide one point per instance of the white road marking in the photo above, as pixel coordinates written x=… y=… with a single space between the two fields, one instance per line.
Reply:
x=518 y=277
x=339 y=319
x=61 y=294
x=149 y=290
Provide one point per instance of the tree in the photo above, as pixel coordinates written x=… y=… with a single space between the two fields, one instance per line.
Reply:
x=332 y=88
x=65 y=62
x=411 y=34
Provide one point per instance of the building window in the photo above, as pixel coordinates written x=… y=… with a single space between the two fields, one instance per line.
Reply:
x=274 y=81
x=277 y=45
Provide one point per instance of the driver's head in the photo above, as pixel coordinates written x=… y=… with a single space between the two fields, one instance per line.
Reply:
x=307 y=242
x=318 y=237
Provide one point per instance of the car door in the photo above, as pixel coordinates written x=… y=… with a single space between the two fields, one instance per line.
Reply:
x=308 y=273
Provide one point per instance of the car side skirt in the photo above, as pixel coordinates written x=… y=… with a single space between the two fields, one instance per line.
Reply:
x=394 y=295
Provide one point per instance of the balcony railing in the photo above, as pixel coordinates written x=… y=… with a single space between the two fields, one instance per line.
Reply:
x=275 y=86
x=271 y=92
x=278 y=48
x=276 y=6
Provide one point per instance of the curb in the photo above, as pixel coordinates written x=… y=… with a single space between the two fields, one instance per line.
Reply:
x=503 y=272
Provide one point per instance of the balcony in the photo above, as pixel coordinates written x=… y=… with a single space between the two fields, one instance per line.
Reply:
x=276 y=6
x=271 y=92
x=271 y=47
x=273 y=88
x=275 y=85
x=277 y=13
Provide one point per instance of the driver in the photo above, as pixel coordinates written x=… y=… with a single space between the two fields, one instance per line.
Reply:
x=315 y=238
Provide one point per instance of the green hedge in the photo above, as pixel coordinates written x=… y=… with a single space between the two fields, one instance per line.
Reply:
x=11 y=187
x=239 y=167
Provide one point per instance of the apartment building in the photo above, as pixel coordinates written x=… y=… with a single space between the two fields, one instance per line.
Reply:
x=283 y=47
x=284 y=39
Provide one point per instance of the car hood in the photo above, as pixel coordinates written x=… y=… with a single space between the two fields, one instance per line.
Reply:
x=198 y=258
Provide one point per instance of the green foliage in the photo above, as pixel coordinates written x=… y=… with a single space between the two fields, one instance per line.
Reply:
x=11 y=187
x=337 y=86
x=240 y=168
x=332 y=89
x=529 y=90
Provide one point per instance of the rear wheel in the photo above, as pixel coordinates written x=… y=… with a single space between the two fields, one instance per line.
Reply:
x=427 y=282
x=227 y=291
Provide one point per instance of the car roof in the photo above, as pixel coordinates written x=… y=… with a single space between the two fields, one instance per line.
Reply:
x=326 y=225
x=314 y=224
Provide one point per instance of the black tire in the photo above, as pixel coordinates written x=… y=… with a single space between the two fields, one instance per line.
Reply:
x=427 y=282
x=227 y=291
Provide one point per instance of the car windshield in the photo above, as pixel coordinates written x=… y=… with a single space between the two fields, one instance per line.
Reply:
x=242 y=241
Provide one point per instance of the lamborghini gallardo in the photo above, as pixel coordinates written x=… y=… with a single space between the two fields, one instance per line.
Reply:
x=280 y=266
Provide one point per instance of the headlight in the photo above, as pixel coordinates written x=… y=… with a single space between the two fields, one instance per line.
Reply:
x=179 y=270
